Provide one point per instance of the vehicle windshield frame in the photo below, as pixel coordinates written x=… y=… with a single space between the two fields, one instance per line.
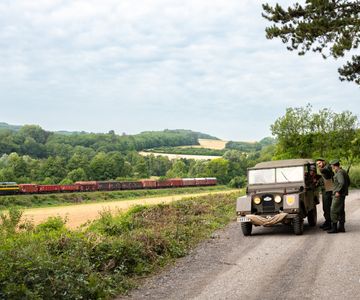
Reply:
x=276 y=175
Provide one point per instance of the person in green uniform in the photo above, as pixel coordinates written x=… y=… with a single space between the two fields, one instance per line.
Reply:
x=340 y=191
x=326 y=189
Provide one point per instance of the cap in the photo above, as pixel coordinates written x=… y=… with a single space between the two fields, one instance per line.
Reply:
x=335 y=162
x=320 y=159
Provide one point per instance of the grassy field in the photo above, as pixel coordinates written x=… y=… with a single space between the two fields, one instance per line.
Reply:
x=111 y=256
x=27 y=201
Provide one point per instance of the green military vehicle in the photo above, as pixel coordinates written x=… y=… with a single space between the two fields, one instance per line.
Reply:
x=282 y=191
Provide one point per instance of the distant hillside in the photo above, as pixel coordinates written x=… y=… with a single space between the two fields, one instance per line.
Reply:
x=7 y=126
x=199 y=135
x=36 y=142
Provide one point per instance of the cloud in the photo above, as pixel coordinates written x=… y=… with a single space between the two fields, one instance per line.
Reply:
x=151 y=64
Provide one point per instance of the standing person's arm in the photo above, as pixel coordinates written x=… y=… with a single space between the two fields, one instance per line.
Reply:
x=327 y=172
x=340 y=183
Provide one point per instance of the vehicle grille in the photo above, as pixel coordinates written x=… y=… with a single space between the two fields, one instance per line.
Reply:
x=269 y=205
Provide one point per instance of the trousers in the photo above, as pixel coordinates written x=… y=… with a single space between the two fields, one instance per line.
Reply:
x=326 y=204
x=338 y=209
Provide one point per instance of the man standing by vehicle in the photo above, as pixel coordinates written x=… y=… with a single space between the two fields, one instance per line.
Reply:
x=340 y=191
x=327 y=190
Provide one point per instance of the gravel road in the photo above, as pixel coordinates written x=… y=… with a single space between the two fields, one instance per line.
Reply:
x=273 y=263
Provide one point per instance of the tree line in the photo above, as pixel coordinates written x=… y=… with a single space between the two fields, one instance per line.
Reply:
x=87 y=165
x=36 y=142
x=300 y=133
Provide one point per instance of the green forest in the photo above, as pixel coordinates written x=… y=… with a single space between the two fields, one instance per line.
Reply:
x=30 y=154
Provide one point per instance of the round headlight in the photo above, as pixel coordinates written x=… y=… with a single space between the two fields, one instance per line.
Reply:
x=257 y=200
x=278 y=199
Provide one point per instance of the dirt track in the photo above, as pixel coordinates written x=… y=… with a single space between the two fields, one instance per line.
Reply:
x=273 y=263
x=81 y=213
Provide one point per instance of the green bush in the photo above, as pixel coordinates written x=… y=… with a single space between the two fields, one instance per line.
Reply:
x=51 y=262
x=355 y=176
x=52 y=224
x=238 y=182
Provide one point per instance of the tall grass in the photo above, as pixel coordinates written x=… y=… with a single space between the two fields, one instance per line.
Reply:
x=52 y=262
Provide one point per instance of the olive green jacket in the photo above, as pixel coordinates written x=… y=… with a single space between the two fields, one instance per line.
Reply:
x=340 y=182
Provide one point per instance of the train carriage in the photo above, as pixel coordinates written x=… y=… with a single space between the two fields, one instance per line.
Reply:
x=28 y=188
x=109 y=185
x=69 y=188
x=176 y=182
x=189 y=182
x=161 y=184
x=148 y=184
x=49 y=188
x=211 y=181
x=87 y=186
x=131 y=185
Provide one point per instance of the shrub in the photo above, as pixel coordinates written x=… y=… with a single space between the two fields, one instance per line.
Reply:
x=238 y=182
x=355 y=176
x=51 y=262
x=52 y=224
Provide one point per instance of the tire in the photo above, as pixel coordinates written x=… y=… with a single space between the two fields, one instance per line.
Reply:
x=298 y=225
x=312 y=217
x=246 y=228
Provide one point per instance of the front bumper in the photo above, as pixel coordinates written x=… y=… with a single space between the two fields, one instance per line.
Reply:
x=265 y=220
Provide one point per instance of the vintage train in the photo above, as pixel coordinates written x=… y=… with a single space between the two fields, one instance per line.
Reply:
x=11 y=188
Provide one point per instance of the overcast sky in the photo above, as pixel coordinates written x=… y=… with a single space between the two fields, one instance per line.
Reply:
x=132 y=66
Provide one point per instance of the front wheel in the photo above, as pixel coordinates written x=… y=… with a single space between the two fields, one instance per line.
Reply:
x=246 y=228
x=298 y=225
x=312 y=217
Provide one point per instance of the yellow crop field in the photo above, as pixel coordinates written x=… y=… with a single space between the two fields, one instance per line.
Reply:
x=212 y=144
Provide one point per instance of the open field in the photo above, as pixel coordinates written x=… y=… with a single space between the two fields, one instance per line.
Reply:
x=212 y=144
x=80 y=214
x=209 y=144
x=177 y=156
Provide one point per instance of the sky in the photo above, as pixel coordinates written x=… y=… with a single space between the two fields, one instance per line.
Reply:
x=133 y=66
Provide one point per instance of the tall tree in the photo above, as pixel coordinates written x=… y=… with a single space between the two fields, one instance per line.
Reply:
x=303 y=133
x=330 y=27
x=218 y=168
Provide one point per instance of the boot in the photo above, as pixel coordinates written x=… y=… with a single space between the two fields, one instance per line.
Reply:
x=341 y=227
x=323 y=224
x=326 y=225
x=333 y=228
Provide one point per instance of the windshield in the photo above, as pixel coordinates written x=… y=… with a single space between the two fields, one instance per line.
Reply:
x=276 y=175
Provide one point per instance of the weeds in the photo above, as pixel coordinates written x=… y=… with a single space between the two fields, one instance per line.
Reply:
x=51 y=262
